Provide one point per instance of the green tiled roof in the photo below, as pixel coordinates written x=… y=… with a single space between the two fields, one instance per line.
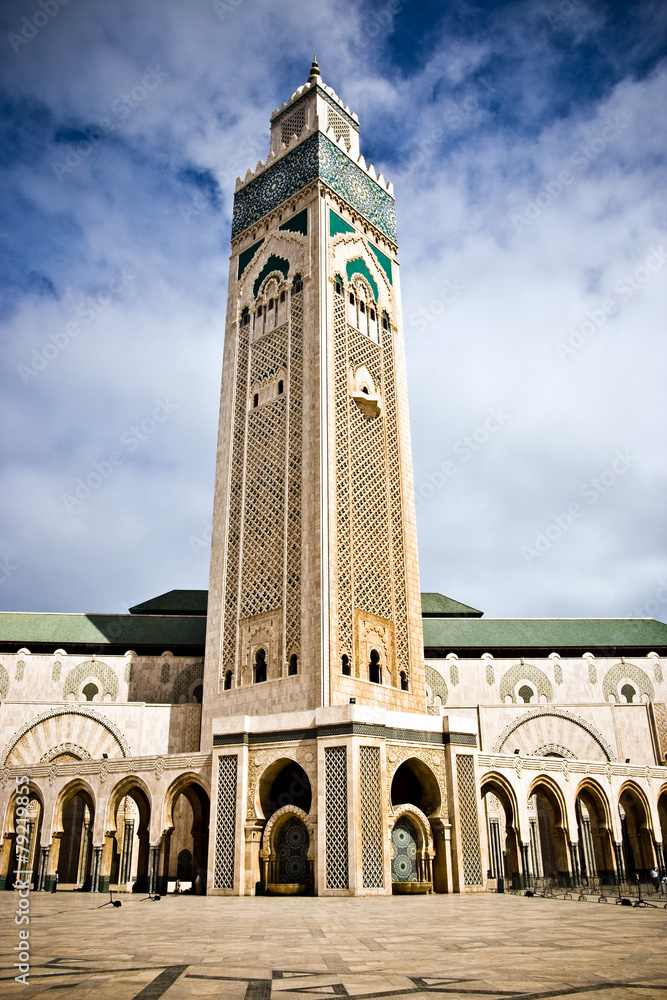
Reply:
x=129 y=631
x=543 y=633
x=174 y=602
x=439 y=606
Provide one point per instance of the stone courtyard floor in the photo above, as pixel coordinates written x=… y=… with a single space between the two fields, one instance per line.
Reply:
x=482 y=946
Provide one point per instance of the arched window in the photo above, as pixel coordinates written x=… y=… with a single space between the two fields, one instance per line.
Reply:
x=293 y=665
x=385 y=321
x=525 y=693
x=89 y=691
x=255 y=400
x=362 y=306
x=297 y=284
x=280 y=387
x=198 y=693
x=404 y=681
x=270 y=303
x=627 y=691
x=352 y=299
x=345 y=665
x=372 y=313
x=259 y=670
x=338 y=286
x=259 y=310
x=374 y=668
x=245 y=317
x=228 y=680
x=282 y=296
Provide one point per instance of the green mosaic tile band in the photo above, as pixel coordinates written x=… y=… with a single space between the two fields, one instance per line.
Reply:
x=316 y=157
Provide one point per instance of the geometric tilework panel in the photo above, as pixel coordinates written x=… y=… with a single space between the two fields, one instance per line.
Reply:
x=231 y=602
x=369 y=530
x=315 y=157
x=371 y=817
x=343 y=485
x=293 y=842
x=294 y=473
x=396 y=505
x=4 y=682
x=619 y=672
x=91 y=668
x=472 y=863
x=525 y=672
x=404 y=842
x=225 y=825
x=336 y=817
x=264 y=522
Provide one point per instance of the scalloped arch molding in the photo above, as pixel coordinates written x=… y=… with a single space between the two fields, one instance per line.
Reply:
x=88 y=729
x=565 y=729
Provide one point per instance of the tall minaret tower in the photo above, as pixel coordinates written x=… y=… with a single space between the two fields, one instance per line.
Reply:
x=314 y=589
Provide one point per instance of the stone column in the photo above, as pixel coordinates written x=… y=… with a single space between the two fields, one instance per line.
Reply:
x=574 y=864
x=525 y=866
x=52 y=864
x=620 y=867
x=97 y=866
x=154 y=867
x=7 y=877
x=43 y=867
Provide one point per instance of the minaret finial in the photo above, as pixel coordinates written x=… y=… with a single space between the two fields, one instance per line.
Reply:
x=314 y=70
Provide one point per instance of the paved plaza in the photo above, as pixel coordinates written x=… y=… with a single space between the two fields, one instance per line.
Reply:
x=483 y=946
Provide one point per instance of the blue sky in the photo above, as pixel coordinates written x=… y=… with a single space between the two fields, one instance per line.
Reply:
x=526 y=144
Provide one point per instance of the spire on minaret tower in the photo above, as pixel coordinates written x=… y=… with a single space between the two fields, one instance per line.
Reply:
x=314 y=71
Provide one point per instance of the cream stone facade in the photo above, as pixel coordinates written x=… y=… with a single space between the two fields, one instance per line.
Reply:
x=311 y=724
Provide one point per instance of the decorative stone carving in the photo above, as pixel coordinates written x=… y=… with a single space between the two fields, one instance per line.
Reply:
x=558 y=714
x=619 y=672
x=259 y=760
x=64 y=710
x=397 y=755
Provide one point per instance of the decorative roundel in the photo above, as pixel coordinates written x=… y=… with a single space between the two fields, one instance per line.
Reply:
x=275 y=185
x=295 y=869
x=296 y=836
x=401 y=836
x=402 y=866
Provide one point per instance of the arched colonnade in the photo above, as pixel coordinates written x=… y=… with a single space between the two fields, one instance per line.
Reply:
x=107 y=825
x=555 y=821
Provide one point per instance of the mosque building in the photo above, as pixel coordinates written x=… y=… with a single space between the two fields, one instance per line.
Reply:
x=312 y=723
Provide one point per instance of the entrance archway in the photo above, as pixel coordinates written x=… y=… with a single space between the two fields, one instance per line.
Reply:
x=637 y=841
x=557 y=862
x=131 y=810
x=19 y=858
x=416 y=800
x=188 y=830
x=74 y=858
x=501 y=822
x=596 y=853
